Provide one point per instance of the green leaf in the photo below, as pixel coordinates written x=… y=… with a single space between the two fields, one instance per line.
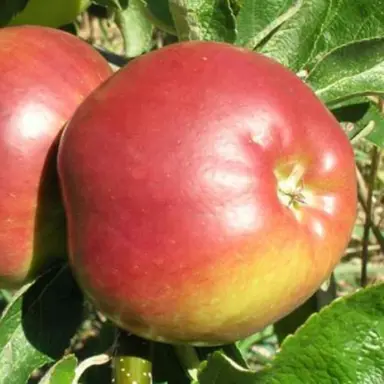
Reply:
x=367 y=119
x=320 y=26
x=246 y=344
x=136 y=29
x=375 y=117
x=9 y=8
x=233 y=351
x=159 y=14
x=220 y=369
x=342 y=343
x=353 y=70
x=18 y=358
x=63 y=372
x=290 y=323
x=258 y=18
x=351 y=112
x=204 y=20
x=71 y=28
x=113 y=4
x=38 y=325
x=5 y=299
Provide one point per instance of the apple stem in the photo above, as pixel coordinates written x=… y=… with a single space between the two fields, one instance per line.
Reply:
x=189 y=359
x=132 y=362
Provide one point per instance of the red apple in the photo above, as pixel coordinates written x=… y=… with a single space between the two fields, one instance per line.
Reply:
x=208 y=193
x=44 y=75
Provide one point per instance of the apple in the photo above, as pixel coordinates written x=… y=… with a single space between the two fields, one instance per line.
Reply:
x=44 y=75
x=50 y=13
x=208 y=193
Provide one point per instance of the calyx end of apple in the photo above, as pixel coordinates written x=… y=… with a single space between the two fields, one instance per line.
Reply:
x=290 y=189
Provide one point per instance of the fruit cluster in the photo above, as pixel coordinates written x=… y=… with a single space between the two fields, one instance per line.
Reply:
x=203 y=191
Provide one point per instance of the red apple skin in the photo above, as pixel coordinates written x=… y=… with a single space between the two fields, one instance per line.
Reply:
x=172 y=175
x=44 y=75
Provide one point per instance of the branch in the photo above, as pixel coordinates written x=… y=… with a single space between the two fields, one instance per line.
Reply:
x=363 y=199
x=368 y=214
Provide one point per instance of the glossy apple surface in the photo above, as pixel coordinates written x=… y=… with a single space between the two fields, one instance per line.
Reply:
x=208 y=193
x=44 y=76
x=50 y=13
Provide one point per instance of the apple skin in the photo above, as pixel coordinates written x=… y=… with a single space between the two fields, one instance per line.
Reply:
x=50 y=13
x=176 y=175
x=44 y=75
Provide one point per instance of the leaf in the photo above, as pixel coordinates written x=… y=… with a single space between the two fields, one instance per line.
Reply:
x=5 y=298
x=246 y=344
x=113 y=4
x=63 y=372
x=38 y=325
x=290 y=323
x=233 y=351
x=353 y=70
x=220 y=369
x=9 y=8
x=343 y=342
x=320 y=26
x=367 y=119
x=375 y=117
x=258 y=18
x=159 y=14
x=353 y=111
x=71 y=28
x=204 y=20
x=18 y=358
x=136 y=29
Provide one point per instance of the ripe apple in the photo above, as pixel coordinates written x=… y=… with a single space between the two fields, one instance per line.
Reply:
x=50 y=13
x=44 y=75
x=208 y=193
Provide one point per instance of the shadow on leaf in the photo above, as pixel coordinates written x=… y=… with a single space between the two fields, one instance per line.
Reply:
x=52 y=311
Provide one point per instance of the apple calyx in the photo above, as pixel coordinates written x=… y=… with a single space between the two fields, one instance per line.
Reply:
x=290 y=189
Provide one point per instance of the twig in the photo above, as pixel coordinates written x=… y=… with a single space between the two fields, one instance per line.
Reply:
x=368 y=220
x=363 y=198
x=354 y=250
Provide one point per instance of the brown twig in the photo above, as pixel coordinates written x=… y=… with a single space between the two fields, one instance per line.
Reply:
x=363 y=198
x=358 y=250
x=368 y=214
